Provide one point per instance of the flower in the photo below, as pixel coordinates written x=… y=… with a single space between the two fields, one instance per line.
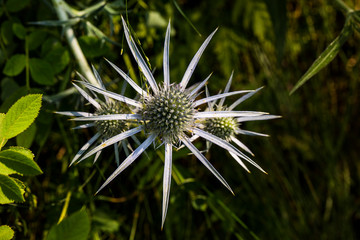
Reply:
x=227 y=128
x=105 y=129
x=167 y=113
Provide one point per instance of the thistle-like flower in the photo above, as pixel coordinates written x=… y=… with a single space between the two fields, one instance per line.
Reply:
x=227 y=128
x=167 y=113
x=105 y=129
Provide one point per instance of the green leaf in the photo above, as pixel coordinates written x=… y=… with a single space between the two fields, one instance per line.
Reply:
x=105 y=221
x=92 y=47
x=326 y=56
x=56 y=23
x=184 y=16
x=9 y=101
x=156 y=20
x=19 y=30
x=58 y=57
x=10 y=191
x=2 y=138
x=35 y=39
x=6 y=233
x=18 y=160
x=6 y=32
x=21 y=115
x=74 y=227
x=8 y=87
x=15 y=65
x=26 y=138
x=41 y=71
x=16 y=5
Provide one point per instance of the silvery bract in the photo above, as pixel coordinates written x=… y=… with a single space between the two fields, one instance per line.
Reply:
x=105 y=129
x=227 y=128
x=168 y=113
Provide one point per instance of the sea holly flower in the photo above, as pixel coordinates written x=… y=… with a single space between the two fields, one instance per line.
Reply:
x=227 y=128
x=105 y=129
x=167 y=113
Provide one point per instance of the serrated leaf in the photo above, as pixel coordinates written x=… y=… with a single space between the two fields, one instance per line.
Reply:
x=18 y=160
x=6 y=233
x=41 y=71
x=74 y=227
x=26 y=138
x=326 y=56
x=10 y=190
x=21 y=115
x=15 y=65
x=19 y=30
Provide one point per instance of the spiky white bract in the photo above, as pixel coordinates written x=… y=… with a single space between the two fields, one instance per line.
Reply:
x=226 y=127
x=103 y=119
x=167 y=113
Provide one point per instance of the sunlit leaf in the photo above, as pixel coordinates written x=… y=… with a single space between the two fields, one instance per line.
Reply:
x=6 y=233
x=326 y=56
x=21 y=115
x=10 y=191
x=18 y=160
x=2 y=137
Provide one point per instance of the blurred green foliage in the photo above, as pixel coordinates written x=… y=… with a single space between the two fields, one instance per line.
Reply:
x=312 y=187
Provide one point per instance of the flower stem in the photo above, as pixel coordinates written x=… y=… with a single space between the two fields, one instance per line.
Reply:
x=74 y=44
x=343 y=6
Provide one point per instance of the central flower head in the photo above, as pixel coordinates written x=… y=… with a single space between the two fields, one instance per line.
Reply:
x=168 y=113
x=110 y=128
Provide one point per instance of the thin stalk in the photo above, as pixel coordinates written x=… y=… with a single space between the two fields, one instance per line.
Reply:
x=343 y=6
x=65 y=207
x=74 y=44
x=27 y=64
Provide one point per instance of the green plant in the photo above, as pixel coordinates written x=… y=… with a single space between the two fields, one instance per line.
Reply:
x=16 y=160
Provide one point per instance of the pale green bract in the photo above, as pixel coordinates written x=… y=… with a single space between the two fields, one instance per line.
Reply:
x=167 y=113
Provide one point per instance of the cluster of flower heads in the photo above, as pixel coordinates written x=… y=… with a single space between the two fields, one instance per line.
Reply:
x=168 y=113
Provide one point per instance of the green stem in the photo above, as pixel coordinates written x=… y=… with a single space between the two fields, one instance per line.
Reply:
x=343 y=6
x=74 y=44
x=27 y=64
x=65 y=207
